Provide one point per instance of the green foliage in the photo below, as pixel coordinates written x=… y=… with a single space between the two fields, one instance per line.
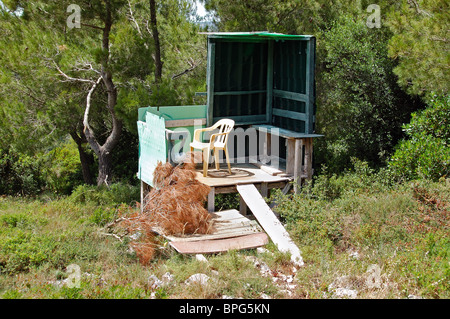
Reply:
x=403 y=229
x=227 y=201
x=420 y=43
x=426 y=151
x=361 y=108
x=43 y=62
x=24 y=250
x=62 y=169
x=20 y=174
x=117 y=193
x=293 y=17
x=102 y=215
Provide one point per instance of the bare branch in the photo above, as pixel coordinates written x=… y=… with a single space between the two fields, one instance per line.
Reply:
x=110 y=234
x=87 y=129
x=86 y=67
x=91 y=26
x=192 y=64
x=69 y=78
x=133 y=19
x=418 y=10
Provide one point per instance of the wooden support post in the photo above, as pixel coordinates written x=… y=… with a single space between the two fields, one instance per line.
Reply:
x=210 y=70
x=297 y=165
x=308 y=158
x=290 y=156
x=211 y=197
x=145 y=189
x=267 y=145
x=242 y=206
x=264 y=189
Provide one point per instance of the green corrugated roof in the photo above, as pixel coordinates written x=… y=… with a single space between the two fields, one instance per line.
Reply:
x=253 y=35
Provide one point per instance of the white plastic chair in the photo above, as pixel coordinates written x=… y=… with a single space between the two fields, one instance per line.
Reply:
x=217 y=141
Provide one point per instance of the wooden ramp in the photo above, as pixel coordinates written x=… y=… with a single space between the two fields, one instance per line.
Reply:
x=269 y=222
x=232 y=231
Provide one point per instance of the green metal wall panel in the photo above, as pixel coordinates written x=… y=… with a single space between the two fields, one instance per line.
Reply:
x=152 y=146
x=261 y=77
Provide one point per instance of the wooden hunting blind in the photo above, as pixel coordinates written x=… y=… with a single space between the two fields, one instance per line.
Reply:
x=262 y=79
x=265 y=83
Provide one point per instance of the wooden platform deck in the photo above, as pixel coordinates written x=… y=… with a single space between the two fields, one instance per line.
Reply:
x=263 y=177
x=242 y=174
x=231 y=231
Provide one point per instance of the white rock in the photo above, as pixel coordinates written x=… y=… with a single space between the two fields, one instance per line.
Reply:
x=167 y=278
x=201 y=279
x=215 y=272
x=154 y=282
x=262 y=266
x=201 y=257
x=414 y=297
x=136 y=236
x=353 y=254
x=344 y=292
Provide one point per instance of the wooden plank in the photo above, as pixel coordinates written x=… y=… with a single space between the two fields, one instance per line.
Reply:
x=241 y=174
x=211 y=197
x=308 y=158
x=186 y=122
x=269 y=222
x=264 y=190
x=245 y=119
x=217 y=234
x=283 y=132
x=269 y=96
x=290 y=156
x=226 y=224
x=239 y=92
x=297 y=164
x=221 y=245
x=289 y=114
x=290 y=95
x=210 y=81
x=242 y=206
x=271 y=170
x=310 y=65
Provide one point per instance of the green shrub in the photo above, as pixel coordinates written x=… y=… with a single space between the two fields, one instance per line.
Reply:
x=117 y=193
x=361 y=108
x=102 y=215
x=426 y=152
x=62 y=170
x=20 y=174
x=360 y=178
x=24 y=250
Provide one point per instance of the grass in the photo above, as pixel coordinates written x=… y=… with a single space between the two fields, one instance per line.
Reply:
x=354 y=231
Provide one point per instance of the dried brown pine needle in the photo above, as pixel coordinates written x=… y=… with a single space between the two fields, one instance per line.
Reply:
x=175 y=206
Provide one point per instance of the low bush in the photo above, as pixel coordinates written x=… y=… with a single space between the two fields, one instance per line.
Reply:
x=20 y=174
x=115 y=194
x=426 y=152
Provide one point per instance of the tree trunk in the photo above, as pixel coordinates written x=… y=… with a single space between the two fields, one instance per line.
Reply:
x=104 y=169
x=86 y=159
x=155 y=34
x=104 y=151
